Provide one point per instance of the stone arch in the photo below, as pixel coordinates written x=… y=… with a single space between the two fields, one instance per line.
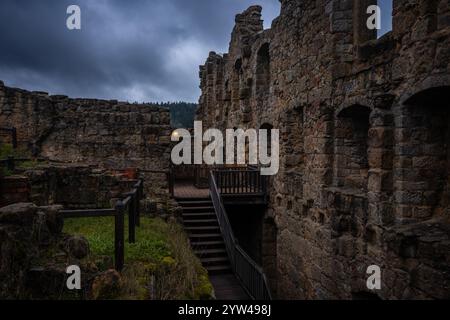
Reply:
x=443 y=14
x=351 y=102
x=269 y=128
x=263 y=70
x=351 y=147
x=423 y=148
x=238 y=66
x=429 y=83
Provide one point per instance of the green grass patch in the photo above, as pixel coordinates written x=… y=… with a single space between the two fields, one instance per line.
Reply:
x=153 y=239
x=7 y=150
x=161 y=258
x=29 y=164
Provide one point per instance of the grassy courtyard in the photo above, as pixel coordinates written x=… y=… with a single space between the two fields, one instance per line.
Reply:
x=160 y=265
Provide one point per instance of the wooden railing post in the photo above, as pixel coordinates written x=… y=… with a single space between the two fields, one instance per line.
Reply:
x=119 y=242
x=10 y=163
x=14 y=137
x=140 y=195
x=171 y=179
x=132 y=218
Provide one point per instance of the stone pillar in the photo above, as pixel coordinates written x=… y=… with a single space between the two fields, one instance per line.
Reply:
x=380 y=157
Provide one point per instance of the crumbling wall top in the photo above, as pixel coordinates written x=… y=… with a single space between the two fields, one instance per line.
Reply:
x=249 y=21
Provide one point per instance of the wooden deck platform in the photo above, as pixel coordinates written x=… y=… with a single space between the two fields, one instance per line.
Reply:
x=187 y=190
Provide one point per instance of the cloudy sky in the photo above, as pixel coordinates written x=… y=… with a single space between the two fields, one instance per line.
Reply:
x=136 y=50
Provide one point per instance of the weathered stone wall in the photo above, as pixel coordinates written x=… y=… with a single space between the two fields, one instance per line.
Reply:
x=26 y=232
x=75 y=186
x=14 y=189
x=35 y=254
x=112 y=134
x=365 y=161
x=71 y=186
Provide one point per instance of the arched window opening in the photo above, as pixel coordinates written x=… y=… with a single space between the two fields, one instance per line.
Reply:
x=227 y=91
x=351 y=158
x=263 y=70
x=269 y=129
x=443 y=14
x=427 y=153
x=362 y=15
x=238 y=66
x=386 y=7
x=236 y=83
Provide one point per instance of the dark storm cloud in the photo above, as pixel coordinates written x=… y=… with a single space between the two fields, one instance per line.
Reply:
x=143 y=50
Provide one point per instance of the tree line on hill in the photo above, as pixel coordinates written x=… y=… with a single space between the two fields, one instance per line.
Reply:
x=182 y=114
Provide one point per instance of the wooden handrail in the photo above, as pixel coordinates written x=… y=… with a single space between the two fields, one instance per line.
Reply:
x=131 y=203
x=246 y=269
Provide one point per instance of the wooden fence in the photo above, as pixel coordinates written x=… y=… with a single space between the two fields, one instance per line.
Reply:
x=129 y=204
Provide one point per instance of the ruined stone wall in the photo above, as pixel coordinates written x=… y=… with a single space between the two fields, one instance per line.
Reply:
x=71 y=186
x=112 y=134
x=14 y=189
x=364 y=174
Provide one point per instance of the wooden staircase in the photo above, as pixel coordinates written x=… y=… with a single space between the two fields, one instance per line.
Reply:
x=200 y=222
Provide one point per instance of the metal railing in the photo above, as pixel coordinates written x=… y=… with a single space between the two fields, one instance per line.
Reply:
x=245 y=268
x=130 y=204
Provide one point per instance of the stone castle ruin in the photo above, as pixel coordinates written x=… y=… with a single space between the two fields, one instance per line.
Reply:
x=365 y=157
x=364 y=126
x=110 y=134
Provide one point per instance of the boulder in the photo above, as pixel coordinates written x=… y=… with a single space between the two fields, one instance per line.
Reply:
x=53 y=218
x=106 y=285
x=77 y=247
x=22 y=214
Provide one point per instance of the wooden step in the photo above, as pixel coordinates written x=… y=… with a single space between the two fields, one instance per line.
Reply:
x=198 y=209
x=205 y=236
x=212 y=261
x=205 y=252
x=206 y=229
x=221 y=269
x=201 y=244
x=207 y=243
x=195 y=203
x=193 y=199
x=198 y=215
x=200 y=222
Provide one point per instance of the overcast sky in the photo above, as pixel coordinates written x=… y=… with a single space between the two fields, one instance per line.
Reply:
x=136 y=50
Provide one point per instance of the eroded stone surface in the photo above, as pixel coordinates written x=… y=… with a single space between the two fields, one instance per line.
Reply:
x=364 y=131
x=112 y=134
